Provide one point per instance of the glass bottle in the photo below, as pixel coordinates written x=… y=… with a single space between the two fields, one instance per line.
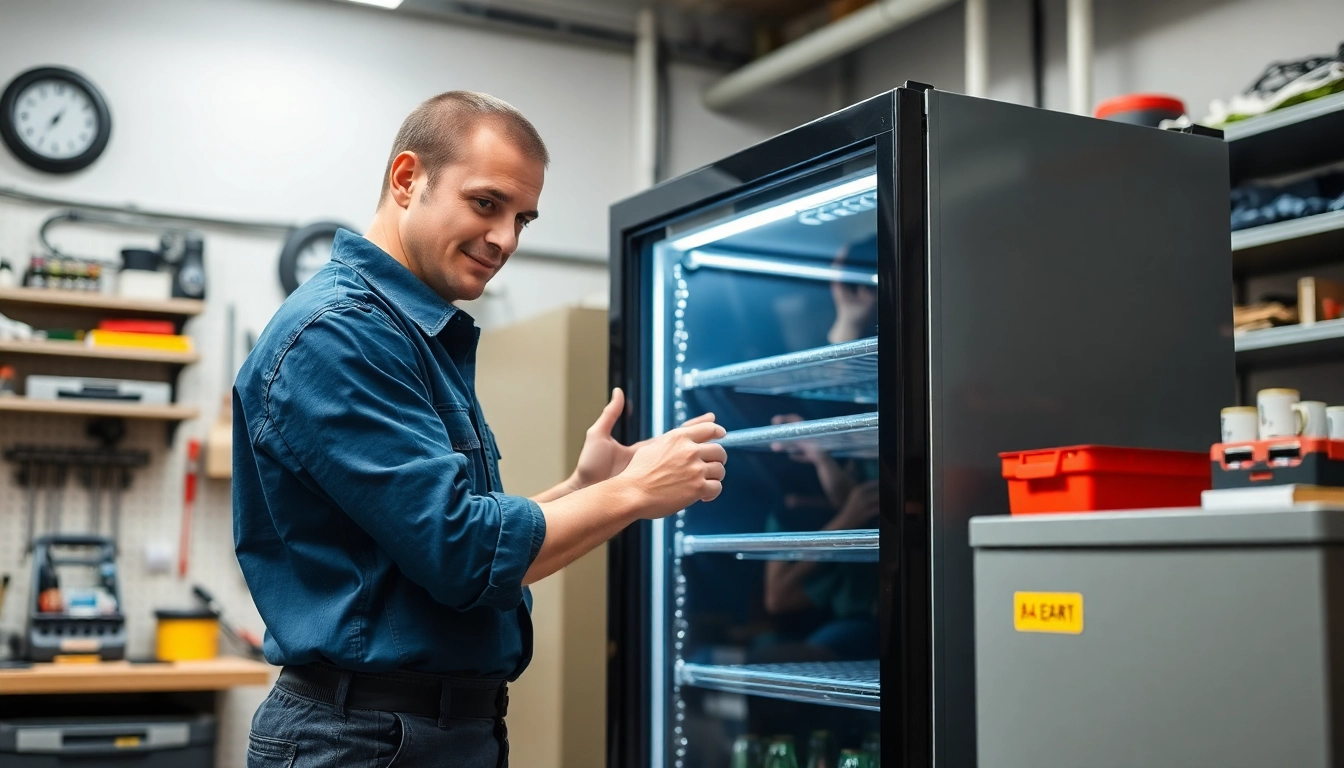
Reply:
x=853 y=758
x=781 y=753
x=747 y=751
x=819 y=754
x=872 y=746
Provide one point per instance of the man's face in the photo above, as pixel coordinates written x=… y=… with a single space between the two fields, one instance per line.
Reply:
x=460 y=231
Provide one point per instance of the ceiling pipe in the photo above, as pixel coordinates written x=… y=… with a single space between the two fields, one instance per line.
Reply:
x=977 y=48
x=816 y=48
x=1080 y=57
x=646 y=100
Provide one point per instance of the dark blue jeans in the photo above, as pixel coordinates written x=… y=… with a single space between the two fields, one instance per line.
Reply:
x=293 y=731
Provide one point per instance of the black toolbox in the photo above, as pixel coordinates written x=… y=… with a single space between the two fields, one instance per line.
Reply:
x=146 y=741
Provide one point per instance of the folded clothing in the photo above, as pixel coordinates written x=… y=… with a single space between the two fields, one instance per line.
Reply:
x=1254 y=205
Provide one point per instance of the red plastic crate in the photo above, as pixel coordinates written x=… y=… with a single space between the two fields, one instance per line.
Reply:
x=1086 y=478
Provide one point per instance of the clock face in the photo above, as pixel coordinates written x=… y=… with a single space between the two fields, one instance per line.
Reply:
x=56 y=119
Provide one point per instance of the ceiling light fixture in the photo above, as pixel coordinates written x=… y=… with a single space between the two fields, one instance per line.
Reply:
x=388 y=4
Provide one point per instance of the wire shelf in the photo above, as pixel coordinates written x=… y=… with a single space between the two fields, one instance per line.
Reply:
x=852 y=436
x=851 y=684
x=856 y=546
x=845 y=372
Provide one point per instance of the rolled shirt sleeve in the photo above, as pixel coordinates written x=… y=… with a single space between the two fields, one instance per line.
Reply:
x=349 y=407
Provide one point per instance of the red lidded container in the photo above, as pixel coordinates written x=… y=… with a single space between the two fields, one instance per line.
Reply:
x=1086 y=478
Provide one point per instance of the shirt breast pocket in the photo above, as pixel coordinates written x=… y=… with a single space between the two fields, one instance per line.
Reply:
x=461 y=433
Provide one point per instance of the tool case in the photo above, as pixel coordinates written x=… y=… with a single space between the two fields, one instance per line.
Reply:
x=82 y=616
x=1278 y=461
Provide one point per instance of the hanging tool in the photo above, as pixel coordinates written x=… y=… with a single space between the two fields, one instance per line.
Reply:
x=242 y=635
x=32 y=479
x=188 y=500
x=93 y=477
x=121 y=480
x=49 y=501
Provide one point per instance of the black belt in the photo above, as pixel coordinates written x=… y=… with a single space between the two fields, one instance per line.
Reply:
x=441 y=698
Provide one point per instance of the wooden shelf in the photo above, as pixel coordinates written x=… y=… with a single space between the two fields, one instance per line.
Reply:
x=99 y=408
x=125 y=677
x=79 y=349
x=85 y=300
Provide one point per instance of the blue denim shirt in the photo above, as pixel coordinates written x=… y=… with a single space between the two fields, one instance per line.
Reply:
x=368 y=516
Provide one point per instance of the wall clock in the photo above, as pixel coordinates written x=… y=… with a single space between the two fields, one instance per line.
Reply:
x=306 y=251
x=54 y=120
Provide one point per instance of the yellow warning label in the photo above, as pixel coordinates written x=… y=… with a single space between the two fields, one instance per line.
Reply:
x=126 y=742
x=1060 y=612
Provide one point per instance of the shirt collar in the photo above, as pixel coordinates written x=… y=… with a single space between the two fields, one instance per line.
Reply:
x=394 y=281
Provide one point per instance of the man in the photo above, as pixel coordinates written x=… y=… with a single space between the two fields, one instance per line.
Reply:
x=386 y=561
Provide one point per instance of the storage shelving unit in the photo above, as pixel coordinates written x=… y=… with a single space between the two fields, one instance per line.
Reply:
x=75 y=309
x=78 y=349
x=98 y=302
x=1286 y=141
x=108 y=408
x=1290 y=344
x=1293 y=244
x=852 y=684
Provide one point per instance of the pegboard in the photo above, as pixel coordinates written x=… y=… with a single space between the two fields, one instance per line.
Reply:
x=240 y=269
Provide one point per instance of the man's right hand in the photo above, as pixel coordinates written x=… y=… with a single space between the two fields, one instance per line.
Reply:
x=678 y=468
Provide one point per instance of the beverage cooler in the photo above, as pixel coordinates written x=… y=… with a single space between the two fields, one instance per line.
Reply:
x=874 y=305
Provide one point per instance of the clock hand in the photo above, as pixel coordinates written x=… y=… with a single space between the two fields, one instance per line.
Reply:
x=54 y=120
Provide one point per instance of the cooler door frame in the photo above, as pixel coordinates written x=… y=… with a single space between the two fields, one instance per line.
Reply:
x=894 y=124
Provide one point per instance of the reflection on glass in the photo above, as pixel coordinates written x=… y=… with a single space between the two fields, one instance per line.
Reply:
x=766 y=603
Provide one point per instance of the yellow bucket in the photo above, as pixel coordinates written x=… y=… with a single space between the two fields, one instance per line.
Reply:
x=187 y=635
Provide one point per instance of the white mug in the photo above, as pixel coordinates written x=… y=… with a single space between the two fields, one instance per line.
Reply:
x=1279 y=416
x=1334 y=415
x=1242 y=423
x=1313 y=418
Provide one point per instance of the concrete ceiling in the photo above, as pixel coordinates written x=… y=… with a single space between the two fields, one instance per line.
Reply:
x=711 y=31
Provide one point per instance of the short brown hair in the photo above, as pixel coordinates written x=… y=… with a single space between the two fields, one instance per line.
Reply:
x=436 y=130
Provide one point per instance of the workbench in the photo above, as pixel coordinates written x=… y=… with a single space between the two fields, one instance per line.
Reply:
x=127 y=677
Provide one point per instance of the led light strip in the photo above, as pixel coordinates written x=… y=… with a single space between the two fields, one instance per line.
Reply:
x=779 y=212
x=774 y=266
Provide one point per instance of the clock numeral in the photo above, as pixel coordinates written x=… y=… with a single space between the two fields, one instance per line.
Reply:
x=30 y=130
x=88 y=122
x=83 y=137
x=23 y=115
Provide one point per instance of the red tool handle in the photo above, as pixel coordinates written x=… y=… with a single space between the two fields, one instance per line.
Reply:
x=189 y=498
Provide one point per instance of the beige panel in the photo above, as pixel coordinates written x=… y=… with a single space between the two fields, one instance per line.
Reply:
x=542 y=383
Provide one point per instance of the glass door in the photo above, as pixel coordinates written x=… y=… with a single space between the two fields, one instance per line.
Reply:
x=764 y=603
